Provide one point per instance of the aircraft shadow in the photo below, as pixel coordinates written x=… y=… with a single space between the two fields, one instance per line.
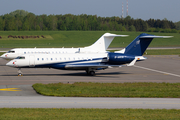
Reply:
x=74 y=74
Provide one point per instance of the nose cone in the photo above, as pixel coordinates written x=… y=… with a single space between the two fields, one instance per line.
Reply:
x=10 y=63
x=3 y=56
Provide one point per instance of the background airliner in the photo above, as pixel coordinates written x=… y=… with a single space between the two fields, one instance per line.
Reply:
x=99 y=46
x=87 y=61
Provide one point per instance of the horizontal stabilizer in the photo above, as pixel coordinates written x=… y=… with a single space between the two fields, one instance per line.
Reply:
x=114 y=35
x=152 y=36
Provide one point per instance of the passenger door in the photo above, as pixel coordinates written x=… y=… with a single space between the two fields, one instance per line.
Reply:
x=31 y=61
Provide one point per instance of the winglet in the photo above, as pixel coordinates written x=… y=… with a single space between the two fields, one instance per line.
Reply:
x=133 y=62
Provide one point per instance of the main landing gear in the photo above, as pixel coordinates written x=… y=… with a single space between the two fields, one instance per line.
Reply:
x=90 y=72
x=19 y=72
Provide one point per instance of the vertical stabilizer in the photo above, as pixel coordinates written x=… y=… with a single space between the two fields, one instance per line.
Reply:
x=102 y=43
x=138 y=46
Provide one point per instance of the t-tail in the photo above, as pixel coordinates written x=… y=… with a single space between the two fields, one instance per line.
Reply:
x=102 y=43
x=138 y=46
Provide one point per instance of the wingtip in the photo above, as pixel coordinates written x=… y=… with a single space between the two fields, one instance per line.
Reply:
x=133 y=62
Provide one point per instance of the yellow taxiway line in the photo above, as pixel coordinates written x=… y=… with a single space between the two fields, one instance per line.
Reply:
x=10 y=89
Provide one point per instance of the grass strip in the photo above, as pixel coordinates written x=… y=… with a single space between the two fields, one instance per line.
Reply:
x=159 y=52
x=79 y=39
x=1 y=53
x=87 y=114
x=163 y=52
x=82 y=89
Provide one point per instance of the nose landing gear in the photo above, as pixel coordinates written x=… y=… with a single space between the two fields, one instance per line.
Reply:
x=19 y=72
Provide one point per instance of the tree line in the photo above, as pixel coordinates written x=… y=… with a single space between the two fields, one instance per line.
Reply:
x=21 y=20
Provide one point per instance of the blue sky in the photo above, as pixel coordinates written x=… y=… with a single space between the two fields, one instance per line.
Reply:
x=144 y=9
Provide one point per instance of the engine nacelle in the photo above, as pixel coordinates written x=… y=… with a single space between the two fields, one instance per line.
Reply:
x=118 y=58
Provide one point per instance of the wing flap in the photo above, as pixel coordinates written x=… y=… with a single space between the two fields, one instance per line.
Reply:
x=97 y=65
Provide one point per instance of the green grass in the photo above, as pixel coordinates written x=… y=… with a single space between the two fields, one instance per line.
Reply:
x=87 y=114
x=79 y=39
x=157 y=90
x=1 y=53
x=163 y=52
x=159 y=52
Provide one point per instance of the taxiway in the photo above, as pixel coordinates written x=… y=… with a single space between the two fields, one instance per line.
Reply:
x=162 y=68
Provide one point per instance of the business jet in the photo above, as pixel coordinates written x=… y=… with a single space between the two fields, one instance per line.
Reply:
x=90 y=62
x=100 y=46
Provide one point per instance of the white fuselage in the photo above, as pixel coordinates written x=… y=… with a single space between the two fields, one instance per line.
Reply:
x=13 y=53
x=43 y=60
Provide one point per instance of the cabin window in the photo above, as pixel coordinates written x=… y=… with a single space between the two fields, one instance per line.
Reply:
x=64 y=58
x=24 y=52
x=46 y=58
x=56 y=58
x=38 y=59
x=42 y=58
x=51 y=58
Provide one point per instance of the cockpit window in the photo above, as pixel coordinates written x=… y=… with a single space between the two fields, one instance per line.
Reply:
x=11 y=51
x=20 y=57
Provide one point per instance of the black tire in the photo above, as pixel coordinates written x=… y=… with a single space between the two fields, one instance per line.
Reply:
x=92 y=73
x=20 y=74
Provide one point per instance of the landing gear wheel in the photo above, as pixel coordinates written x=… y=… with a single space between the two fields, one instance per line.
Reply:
x=92 y=73
x=87 y=72
x=20 y=74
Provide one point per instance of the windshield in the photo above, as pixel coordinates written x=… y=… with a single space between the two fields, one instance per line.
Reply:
x=20 y=57
x=11 y=51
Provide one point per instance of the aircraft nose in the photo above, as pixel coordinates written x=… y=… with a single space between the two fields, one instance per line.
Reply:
x=3 y=56
x=11 y=63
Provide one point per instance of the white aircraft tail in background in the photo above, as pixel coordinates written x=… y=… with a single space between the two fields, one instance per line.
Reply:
x=102 y=43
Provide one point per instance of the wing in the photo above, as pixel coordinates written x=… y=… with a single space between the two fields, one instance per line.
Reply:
x=96 y=65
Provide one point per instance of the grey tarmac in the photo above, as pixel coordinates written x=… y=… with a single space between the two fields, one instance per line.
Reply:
x=82 y=102
x=157 y=68
x=169 y=65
